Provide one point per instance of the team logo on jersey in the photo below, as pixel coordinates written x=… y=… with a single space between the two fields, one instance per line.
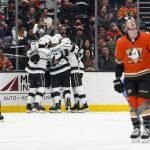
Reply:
x=134 y=55
x=49 y=55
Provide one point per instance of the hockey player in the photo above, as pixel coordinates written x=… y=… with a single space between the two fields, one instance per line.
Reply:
x=133 y=58
x=36 y=68
x=60 y=73
x=77 y=70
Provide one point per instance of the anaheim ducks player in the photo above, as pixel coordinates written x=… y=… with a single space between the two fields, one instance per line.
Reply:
x=133 y=58
x=77 y=70
x=36 y=68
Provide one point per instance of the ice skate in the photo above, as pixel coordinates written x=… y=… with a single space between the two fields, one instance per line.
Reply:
x=135 y=136
x=145 y=137
x=84 y=108
x=38 y=108
x=1 y=118
x=75 y=108
x=29 y=108
x=68 y=105
x=55 y=108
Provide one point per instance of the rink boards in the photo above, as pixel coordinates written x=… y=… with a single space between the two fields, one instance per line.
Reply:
x=98 y=87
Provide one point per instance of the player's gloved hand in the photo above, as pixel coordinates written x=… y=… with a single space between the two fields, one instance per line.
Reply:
x=35 y=58
x=118 y=85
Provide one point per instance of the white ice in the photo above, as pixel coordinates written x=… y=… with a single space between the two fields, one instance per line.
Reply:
x=87 y=131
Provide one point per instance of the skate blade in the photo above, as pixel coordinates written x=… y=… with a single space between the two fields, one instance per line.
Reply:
x=145 y=141
x=28 y=111
x=87 y=110
x=83 y=111
x=41 y=111
x=68 y=111
x=37 y=111
x=136 y=140
x=74 y=111
x=34 y=110
x=55 y=111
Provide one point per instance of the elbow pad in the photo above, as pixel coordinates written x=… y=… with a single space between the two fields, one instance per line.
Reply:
x=119 y=68
x=34 y=57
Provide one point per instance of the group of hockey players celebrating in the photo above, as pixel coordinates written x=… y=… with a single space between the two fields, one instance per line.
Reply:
x=55 y=63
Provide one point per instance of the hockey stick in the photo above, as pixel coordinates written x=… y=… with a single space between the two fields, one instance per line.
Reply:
x=137 y=114
x=13 y=55
x=17 y=46
x=22 y=56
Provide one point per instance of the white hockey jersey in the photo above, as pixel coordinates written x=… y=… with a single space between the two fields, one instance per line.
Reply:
x=74 y=59
x=41 y=65
x=59 y=63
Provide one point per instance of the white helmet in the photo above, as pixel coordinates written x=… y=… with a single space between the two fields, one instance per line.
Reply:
x=58 y=36
x=48 y=37
x=43 y=41
x=54 y=40
x=66 y=41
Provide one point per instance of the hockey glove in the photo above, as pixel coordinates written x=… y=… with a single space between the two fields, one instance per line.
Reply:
x=118 y=85
x=35 y=58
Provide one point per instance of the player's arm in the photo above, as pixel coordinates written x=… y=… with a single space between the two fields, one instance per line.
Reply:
x=34 y=56
x=33 y=47
x=148 y=42
x=69 y=48
x=119 y=67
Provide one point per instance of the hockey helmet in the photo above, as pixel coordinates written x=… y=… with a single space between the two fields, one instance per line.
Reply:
x=48 y=37
x=66 y=41
x=54 y=40
x=43 y=41
x=58 y=36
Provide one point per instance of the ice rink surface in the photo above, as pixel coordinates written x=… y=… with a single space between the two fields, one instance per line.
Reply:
x=65 y=131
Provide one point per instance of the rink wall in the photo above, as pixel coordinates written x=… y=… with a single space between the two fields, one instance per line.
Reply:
x=98 y=87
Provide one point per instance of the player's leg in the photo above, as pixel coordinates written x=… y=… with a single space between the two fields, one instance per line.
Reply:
x=40 y=81
x=55 y=94
x=47 y=82
x=65 y=82
x=76 y=105
x=31 y=94
x=144 y=106
x=133 y=100
x=132 y=92
x=80 y=91
x=144 y=102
